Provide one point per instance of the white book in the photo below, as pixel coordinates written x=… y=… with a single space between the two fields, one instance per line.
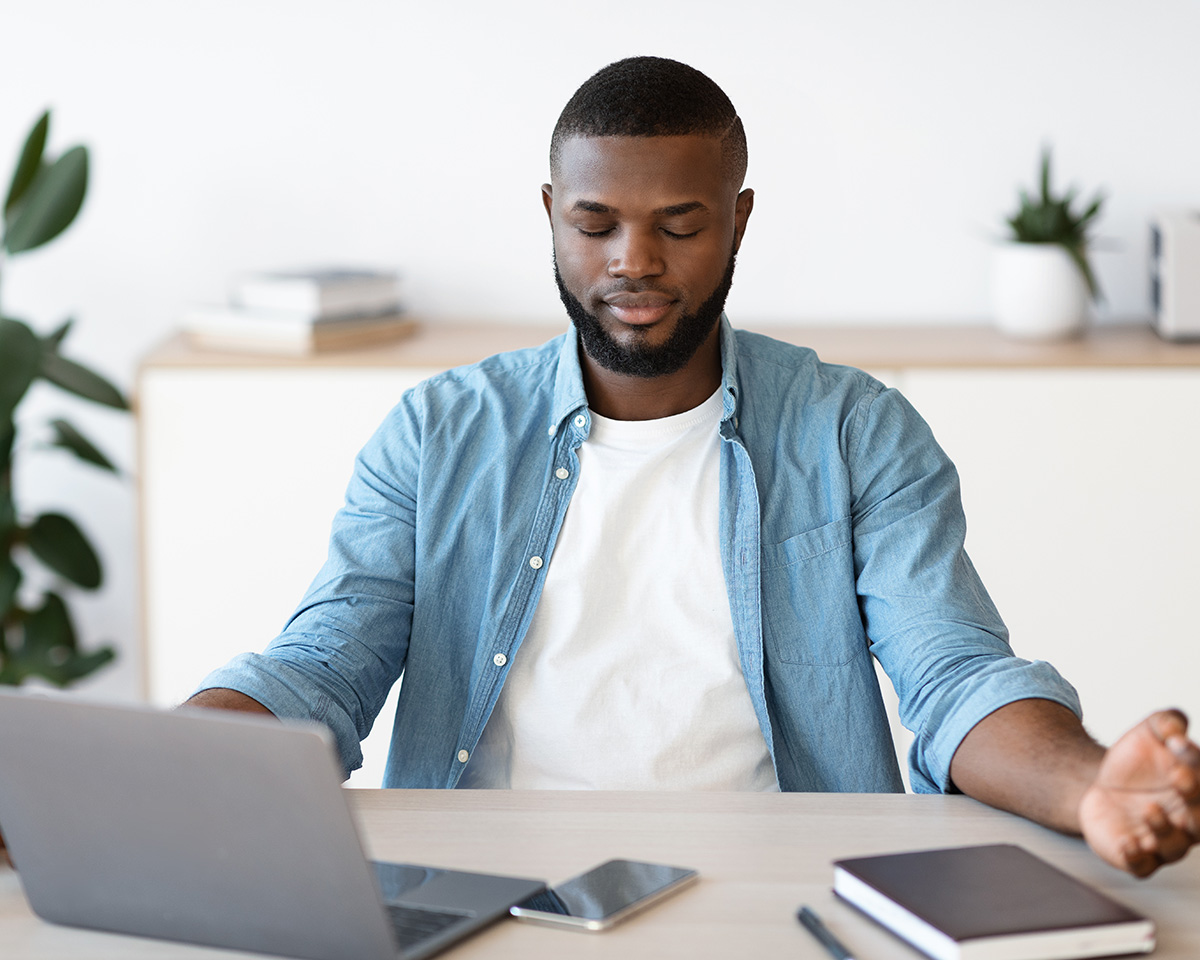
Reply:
x=319 y=293
x=251 y=331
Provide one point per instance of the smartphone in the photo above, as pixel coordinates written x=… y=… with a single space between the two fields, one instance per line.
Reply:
x=605 y=895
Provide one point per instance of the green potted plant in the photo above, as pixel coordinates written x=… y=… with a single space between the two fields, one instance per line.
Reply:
x=1043 y=278
x=37 y=635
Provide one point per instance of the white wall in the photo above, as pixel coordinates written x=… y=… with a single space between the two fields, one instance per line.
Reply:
x=886 y=143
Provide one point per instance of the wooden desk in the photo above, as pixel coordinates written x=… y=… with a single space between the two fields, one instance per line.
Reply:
x=759 y=857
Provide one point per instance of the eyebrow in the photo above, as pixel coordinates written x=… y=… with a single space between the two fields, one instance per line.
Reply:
x=675 y=210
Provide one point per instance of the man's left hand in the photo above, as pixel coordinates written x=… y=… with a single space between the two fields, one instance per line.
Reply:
x=1143 y=809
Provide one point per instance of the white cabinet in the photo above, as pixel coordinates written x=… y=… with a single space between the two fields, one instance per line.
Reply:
x=1080 y=467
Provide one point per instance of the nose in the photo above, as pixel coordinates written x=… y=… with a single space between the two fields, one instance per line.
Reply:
x=634 y=255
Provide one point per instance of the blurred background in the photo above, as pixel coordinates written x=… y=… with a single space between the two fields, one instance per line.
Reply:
x=887 y=144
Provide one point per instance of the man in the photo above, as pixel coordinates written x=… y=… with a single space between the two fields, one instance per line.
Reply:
x=659 y=553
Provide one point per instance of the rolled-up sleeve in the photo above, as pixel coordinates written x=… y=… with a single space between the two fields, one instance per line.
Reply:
x=930 y=622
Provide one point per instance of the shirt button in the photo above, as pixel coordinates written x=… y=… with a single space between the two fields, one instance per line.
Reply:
x=562 y=473
x=535 y=562
x=553 y=430
x=580 y=420
x=499 y=659
x=463 y=756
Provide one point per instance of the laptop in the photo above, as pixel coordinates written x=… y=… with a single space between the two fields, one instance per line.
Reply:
x=202 y=826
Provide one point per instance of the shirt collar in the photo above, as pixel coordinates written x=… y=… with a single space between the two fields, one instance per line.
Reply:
x=570 y=396
x=729 y=378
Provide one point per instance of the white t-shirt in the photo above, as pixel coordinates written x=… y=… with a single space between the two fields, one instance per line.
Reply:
x=629 y=676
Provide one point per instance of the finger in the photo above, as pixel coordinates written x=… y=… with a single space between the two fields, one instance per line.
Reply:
x=1162 y=836
x=1159 y=824
x=1184 y=750
x=1139 y=862
x=1186 y=783
x=1174 y=847
x=1168 y=723
x=1184 y=815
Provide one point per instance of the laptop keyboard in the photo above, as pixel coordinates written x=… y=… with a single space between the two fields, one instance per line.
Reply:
x=413 y=925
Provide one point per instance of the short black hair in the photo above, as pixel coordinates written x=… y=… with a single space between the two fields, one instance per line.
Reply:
x=653 y=97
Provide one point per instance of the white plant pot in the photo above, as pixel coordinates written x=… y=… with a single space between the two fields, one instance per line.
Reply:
x=1038 y=292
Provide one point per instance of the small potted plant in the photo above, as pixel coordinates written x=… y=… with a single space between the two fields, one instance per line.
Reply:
x=1043 y=279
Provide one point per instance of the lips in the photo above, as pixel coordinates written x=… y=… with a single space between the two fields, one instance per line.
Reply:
x=639 y=309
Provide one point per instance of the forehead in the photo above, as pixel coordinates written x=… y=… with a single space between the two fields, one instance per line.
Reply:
x=626 y=172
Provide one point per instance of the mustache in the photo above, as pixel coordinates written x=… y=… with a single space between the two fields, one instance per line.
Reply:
x=616 y=286
x=633 y=286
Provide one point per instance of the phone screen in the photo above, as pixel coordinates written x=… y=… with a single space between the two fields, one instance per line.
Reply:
x=604 y=894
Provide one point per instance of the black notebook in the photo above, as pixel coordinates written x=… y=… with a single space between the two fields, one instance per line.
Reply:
x=996 y=902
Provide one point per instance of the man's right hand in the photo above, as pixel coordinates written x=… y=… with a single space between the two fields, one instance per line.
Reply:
x=222 y=698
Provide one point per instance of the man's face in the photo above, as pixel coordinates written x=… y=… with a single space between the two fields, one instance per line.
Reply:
x=645 y=232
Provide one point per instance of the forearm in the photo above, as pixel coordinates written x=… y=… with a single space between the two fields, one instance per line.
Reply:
x=1032 y=758
x=221 y=698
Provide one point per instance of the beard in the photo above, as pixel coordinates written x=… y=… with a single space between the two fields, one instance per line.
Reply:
x=639 y=359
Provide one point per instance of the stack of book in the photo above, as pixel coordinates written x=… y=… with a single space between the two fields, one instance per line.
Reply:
x=301 y=312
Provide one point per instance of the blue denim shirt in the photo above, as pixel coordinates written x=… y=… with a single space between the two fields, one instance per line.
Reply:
x=841 y=535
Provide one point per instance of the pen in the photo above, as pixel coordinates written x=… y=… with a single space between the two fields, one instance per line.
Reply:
x=812 y=923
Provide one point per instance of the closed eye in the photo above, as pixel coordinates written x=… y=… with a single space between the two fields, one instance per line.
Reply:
x=679 y=236
x=595 y=233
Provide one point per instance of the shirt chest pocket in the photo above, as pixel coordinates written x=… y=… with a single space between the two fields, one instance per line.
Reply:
x=810 y=606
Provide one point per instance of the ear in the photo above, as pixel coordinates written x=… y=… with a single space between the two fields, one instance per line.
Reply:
x=741 y=214
x=548 y=202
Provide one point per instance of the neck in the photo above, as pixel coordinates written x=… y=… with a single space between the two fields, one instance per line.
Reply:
x=622 y=397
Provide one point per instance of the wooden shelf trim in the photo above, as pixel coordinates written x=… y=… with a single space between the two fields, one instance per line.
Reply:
x=441 y=344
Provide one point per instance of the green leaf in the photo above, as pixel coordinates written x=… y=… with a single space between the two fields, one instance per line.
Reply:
x=8 y=435
x=49 y=648
x=49 y=627
x=68 y=437
x=1078 y=253
x=20 y=357
x=79 y=665
x=51 y=202
x=1094 y=209
x=29 y=163
x=60 y=545
x=10 y=581
x=47 y=642
x=79 y=380
x=8 y=514
x=53 y=341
